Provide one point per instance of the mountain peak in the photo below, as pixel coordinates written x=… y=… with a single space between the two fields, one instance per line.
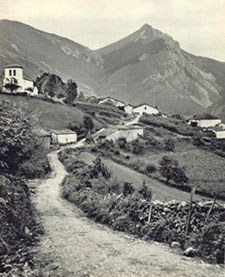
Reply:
x=146 y=27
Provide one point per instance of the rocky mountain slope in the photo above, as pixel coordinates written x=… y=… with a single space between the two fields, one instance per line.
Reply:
x=40 y=52
x=146 y=66
x=149 y=66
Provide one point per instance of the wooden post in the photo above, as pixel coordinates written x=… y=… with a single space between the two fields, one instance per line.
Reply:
x=211 y=207
x=190 y=210
x=150 y=213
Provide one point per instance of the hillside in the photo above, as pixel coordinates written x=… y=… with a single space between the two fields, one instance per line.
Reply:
x=146 y=66
x=40 y=52
x=47 y=115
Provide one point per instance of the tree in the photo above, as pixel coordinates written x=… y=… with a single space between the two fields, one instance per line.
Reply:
x=127 y=189
x=71 y=92
x=170 y=169
x=145 y=192
x=169 y=145
x=11 y=86
x=81 y=97
x=16 y=138
x=88 y=123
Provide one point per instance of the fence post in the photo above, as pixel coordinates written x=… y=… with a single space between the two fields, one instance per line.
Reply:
x=211 y=207
x=150 y=213
x=190 y=210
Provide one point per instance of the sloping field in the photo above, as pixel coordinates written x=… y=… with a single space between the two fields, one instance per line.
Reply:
x=204 y=169
x=48 y=115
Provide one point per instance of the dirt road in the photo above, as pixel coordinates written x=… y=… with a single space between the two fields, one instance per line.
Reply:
x=79 y=247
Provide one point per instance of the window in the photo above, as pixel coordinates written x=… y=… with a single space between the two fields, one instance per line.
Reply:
x=145 y=108
x=10 y=72
x=14 y=72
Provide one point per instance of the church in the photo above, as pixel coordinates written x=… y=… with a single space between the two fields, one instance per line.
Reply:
x=14 y=81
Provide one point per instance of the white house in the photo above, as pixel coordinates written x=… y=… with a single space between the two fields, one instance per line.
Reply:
x=205 y=121
x=63 y=136
x=145 y=108
x=218 y=131
x=130 y=133
x=13 y=74
x=128 y=109
x=112 y=101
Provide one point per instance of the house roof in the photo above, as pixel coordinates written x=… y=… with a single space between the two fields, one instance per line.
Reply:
x=28 y=79
x=41 y=133
x=106 y=132
x=13 y=66
x=217 y=129
x=110 y=98
x=144 y=104
x=62 y=132
x=204 y=116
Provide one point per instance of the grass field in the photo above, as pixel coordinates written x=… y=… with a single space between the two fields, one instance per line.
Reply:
x=49 y=115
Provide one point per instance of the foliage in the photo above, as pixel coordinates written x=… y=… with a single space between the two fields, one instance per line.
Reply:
x=16 y=139
x=128 y=212
x=127 y=189
x=99 y=169
x=71 y=92
x=169 y=145
x=11 y=87
x=50 y=85
x=171 y=170
x=88 y=123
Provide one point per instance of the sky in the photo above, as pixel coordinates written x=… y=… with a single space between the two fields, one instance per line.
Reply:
x=198 y=25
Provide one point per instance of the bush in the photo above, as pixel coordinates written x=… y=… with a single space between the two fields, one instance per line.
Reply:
x=171 y=170
x=150 y=168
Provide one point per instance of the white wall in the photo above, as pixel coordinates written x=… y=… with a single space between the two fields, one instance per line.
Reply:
x=17 y=73
x=64 y=138
x=205 y=123
x=145 y=109
x=220 y=134
x=128 y=109
x=130 y=134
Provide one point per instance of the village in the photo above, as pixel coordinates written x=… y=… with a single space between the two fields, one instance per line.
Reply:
x=112 y=140
x=14 y=82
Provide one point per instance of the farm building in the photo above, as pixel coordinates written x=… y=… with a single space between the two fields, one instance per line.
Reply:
x=43 y=137
x=218 y=131
x=63 y=136
x=130 y=133
x=145 y=108
x=204 y=121
x=128 y=109
x=112 y=101
x=15 y=82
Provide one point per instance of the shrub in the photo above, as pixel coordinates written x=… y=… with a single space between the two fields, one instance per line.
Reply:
x=127 y=189
x=150 y=168
x=171 y=170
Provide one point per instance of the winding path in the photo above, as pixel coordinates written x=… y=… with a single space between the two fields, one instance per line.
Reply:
x=79 y=247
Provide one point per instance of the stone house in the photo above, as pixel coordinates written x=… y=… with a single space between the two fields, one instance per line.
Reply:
x=112 y=101
x=204 y=121
x=218 y=131
x=145 y=109
x=130 y=133
x=63 y=136
x=128 y=109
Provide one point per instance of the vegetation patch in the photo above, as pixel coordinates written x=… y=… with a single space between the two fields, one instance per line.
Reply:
x=20 y=159
x=130 y=210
